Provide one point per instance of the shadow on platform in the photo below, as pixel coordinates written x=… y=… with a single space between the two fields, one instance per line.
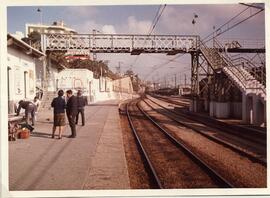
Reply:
x=103 y=105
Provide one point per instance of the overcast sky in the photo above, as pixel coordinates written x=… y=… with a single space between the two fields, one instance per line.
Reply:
x=137 y=19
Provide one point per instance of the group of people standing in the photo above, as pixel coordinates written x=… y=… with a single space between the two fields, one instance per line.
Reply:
x=73 y=107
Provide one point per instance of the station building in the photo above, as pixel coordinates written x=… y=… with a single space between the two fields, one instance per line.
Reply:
x=57 y=27
x=21 y=71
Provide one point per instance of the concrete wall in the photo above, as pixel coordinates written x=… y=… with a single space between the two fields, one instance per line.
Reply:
x=123 y=85
x=75 y=79
x=95 y=89
x=222 y=109
x=22 y=77
x=225 y=109
x=236 y=110
x=253 y=110
x=52 y=79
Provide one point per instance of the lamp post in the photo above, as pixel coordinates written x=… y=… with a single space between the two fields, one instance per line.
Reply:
x=40 y=15
x=194 y=22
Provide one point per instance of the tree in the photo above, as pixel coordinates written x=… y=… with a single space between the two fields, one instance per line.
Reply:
x=33 y=39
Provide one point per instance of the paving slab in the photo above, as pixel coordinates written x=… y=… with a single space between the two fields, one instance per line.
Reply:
x=95 y=159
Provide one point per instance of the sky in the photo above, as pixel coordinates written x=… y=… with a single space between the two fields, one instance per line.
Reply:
x=137 y=19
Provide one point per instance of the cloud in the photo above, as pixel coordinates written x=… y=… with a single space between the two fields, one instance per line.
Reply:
x=178 y=19
x=108 y=29
x=86 y=27
x=175 y=20
x=81 y=11
x=135 y=26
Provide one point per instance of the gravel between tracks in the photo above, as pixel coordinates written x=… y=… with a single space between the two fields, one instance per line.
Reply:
x=175 y=169
x=137 y=174
x=239 y=170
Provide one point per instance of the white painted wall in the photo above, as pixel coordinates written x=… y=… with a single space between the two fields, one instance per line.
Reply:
x=52 y=79
x=74 y=79
x=21 y=66
x=95 y=89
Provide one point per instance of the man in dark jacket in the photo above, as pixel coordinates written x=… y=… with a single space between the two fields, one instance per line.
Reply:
x=29 y=108
x=81 y=104
x=72 y=110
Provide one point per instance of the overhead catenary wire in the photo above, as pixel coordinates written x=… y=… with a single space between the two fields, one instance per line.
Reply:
x=154 y=19
x=153 y=25
x=158 y=66
x=157 y=19
x=219 y=31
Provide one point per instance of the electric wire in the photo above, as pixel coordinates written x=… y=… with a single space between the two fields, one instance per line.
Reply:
x=153 y=25
x=234 y=25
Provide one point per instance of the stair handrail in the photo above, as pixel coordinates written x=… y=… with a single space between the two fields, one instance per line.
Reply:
x=217 y=46
x=252 y=68
x=229 y=63
x=203 y=47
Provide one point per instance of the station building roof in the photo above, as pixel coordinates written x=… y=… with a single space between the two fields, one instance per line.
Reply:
x=28 y=49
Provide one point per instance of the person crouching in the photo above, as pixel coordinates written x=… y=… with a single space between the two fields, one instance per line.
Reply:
x=29 y=108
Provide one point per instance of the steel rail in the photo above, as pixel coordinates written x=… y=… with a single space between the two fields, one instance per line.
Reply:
x=217 y=140
x=210 y=171
x=192 y=117
x=139 y=143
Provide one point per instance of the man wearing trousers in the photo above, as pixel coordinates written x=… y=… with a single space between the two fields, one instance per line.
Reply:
x=81 y=104
x=72 y=110
x=30 y=108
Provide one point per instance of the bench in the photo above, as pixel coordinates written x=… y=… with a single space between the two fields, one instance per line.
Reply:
x=13 y=126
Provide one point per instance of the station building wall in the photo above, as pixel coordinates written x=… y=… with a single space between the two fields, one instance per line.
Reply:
x=75 y=79
x=21 y=77
x=94 y=89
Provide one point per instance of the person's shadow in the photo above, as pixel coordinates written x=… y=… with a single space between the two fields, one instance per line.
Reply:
x=43 y=135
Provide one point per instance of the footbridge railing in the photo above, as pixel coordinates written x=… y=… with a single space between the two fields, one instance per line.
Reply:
x=114 y=43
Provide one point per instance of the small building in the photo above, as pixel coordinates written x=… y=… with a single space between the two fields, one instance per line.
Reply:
x=75 y=79
x=58 y=27
x=184 y=90
x=21 y=71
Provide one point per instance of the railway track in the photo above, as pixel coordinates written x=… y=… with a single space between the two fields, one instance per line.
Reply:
x=180 y=103
x=170 y=162
x=248 y=133
x=259 y=157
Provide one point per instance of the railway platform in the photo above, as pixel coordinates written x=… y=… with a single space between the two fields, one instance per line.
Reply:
x=95 y=159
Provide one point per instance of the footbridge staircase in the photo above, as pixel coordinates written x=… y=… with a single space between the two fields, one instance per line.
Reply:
x=241 y=71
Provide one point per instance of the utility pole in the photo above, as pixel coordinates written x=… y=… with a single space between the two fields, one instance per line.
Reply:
x=94 y=45
x=185 y=80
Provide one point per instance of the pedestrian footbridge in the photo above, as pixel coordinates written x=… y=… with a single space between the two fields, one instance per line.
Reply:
x=122 y=43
